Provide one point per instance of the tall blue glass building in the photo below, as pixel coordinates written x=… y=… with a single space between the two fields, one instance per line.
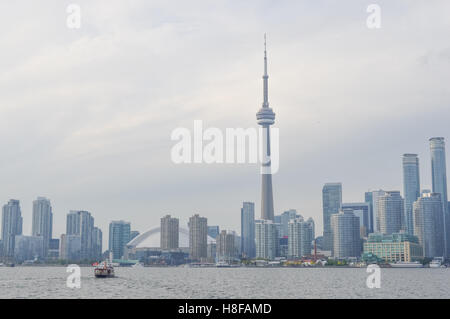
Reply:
x=439 y=180
x=411 y=188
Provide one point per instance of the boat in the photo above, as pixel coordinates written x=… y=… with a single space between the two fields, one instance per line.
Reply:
x=104 y=270
x=406 y=264
x=222 y=264
x=436 y=263
x=138 y=265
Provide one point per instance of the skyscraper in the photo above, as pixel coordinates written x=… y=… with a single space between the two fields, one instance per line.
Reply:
x=361 y=210
x=368 y=198
x=225 y=247
x=331 y=201
x=11 y=226
x=42 y=222
x=169 y=233
x=248 y=245
x=391 y=212
x=266 y=118
x=376 y=218
x=81 y=223
x=439 y=181
x=97 y=243
x=428 y=226
x=198 y=237
x=266 y=239
x=284 y=221
x=312 y=229
x=119 y=236
x=346 y=234
x=411 y=188
x=299 y=238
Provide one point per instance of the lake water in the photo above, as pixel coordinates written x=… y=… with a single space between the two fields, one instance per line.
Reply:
x=50 y=282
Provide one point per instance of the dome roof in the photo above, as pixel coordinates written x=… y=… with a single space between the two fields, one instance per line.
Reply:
x=152 y=238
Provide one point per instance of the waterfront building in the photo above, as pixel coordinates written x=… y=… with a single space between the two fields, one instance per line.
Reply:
x=28 y=248
x=396 y=247
x=361 y=210
x=53 y=249
x=226 y=250
x=70 y=248
x=81 y=223
x=169 y=233
x=439 y=181
x=11 y=226
x=299 y=238
x=266 y=239
x=428 y=224
x=331 y=203
x=312 y=229
x=198 y=237
x=346 y=234
x=391 y=212
x=411 y=188
x=376 y=218
x=266 y=118
x=97 y=243
x=248 y=245
x=211 y=253
x=284 y=221
x=368 y=198
x=119 y=236
x=42 y=222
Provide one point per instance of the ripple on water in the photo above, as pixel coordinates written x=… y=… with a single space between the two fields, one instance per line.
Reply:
x=180 y=283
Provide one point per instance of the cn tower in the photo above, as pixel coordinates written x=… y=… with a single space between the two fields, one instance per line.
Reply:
x=266 y=118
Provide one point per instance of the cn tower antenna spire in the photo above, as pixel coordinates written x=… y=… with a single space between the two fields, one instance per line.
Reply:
x=266 y=76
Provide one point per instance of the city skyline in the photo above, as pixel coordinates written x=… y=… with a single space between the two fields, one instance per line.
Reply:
x=106 y=150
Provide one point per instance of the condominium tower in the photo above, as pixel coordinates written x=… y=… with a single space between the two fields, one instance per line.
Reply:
x=332 y=201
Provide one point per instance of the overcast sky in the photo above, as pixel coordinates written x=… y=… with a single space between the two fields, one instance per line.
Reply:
x=86 y=114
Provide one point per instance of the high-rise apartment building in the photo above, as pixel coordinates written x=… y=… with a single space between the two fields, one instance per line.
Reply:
x=97 y=243
x=391 y=213
x=198 y=237
x=411 y=188
x=439 y=181
x=332 y=201
x=361 y=210
x=284 y=221
x=119 y=236
x=11 y=226
x=248 y=244
x=169 y=233
x=368 y=198
x=376 y=218
x=346 y=234
x=266 y=233
x=428 y=224
x=225 y=247
x=299 y=238
x=42 y=222
x=81 y=223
